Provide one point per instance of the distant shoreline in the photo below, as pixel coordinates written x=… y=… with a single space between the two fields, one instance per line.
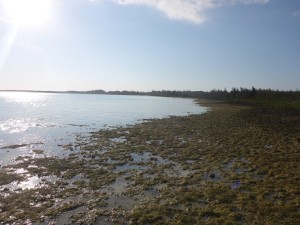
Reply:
x=181 y=94
x=236 y=94
x=288 y=101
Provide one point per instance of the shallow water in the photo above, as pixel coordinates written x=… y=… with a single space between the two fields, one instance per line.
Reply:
x=30 y=121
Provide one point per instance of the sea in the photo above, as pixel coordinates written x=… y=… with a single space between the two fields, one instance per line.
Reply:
x=31 y=121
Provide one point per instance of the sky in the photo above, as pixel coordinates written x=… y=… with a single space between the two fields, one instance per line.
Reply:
x=145 y=45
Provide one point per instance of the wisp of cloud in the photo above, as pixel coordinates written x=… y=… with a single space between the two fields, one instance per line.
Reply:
x=188 y=10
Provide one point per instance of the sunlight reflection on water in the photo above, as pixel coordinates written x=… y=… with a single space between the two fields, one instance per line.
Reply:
x=22 y=125
x=30 y=183
x=51 y=119
x=33 y=99
x=21 y=111
x=16 y=125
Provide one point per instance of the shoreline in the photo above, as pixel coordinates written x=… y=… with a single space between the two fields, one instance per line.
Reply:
x=230 y=165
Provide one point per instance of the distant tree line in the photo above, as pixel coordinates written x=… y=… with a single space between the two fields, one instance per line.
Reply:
x=234 y=94
x=163 y=93
x=253 y=93
x=267 y=98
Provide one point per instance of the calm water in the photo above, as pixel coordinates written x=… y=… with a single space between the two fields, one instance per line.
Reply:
x=45 y=120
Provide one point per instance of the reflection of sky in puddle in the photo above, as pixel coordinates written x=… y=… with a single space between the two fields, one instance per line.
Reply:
x=118 y=187
x=20 y=171
x=118 y=140
x=131 y=167
x=146 y=157
x=175 y=171
x=30 y=183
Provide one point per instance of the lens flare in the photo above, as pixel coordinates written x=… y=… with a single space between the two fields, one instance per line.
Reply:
x=27 y=12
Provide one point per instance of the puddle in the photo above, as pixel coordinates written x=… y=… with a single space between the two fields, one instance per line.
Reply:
x=147 y=157
x=177 y=171
x=157 y=142
x=118 y=139
x=128 y=166
x=213 y=175
x=236 y=185
x=20 y=171
x=29 y=183
x=138 y=160
x=118 y=187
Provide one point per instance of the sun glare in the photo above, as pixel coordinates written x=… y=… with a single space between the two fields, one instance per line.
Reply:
x=27 y=12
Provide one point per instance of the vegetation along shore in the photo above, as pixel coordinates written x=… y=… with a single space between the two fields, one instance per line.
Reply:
x=236 y=164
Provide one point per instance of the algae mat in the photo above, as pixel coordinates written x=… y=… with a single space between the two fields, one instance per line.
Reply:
x=232 y=165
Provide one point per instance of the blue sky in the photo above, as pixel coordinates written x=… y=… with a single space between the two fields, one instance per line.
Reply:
x=149 y=45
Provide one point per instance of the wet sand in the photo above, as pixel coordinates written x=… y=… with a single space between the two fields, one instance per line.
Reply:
x=231 y=165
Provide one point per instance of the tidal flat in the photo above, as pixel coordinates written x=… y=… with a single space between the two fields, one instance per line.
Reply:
x=231 y=165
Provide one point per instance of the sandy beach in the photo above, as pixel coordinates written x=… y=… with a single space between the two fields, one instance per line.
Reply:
x=231 y=165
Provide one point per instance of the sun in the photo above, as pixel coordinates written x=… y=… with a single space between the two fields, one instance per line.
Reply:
x=27 y=12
